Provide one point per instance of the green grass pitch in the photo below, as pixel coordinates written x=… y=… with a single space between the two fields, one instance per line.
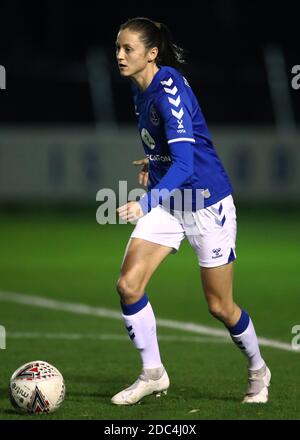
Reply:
x=69 y=258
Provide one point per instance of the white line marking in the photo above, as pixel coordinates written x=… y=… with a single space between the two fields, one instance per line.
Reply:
x=109 y=337
x=83 y=309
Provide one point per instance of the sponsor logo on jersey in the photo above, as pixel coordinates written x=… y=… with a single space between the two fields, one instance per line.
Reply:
x=154 y=118
x=159 y=158
x=147 y=138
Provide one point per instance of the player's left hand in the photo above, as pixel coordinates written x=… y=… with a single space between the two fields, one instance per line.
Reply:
x=130 y=212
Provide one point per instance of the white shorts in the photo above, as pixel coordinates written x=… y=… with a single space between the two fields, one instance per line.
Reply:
x=211 y=231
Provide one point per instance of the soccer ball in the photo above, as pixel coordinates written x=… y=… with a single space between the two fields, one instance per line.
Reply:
x=37 y=387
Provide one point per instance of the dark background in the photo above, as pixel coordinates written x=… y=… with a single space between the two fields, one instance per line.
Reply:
x=44 y=47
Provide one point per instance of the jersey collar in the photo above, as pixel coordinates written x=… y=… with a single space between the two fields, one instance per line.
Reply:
x=152 y=86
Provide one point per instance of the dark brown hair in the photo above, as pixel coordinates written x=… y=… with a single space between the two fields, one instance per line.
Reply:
x=155 y=34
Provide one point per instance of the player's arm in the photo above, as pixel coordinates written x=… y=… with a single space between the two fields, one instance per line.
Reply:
x=180 y=170
x=175 y=111
x=144 y=172
x=132 y=211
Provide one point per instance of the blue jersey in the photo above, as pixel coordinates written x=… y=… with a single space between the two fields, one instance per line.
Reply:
x=177 y=142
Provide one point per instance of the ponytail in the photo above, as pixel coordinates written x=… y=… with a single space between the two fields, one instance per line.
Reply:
x=169 y=54
x=155 y=34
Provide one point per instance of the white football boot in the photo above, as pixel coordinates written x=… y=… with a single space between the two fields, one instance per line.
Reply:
x=150 y=381
x=258 y=383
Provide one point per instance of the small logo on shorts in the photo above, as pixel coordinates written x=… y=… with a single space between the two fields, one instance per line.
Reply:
x=217 y=253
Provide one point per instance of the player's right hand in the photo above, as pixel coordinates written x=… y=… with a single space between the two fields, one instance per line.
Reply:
x=144 y=173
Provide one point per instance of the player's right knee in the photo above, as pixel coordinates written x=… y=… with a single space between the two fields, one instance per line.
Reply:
x=221 y=310
x=128 y=291
x=216 y=310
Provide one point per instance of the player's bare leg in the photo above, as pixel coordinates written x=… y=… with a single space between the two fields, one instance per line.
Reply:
x=217 y=284
x=140 y=262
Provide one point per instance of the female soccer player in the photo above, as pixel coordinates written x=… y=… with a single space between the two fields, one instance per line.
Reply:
x=180 y=161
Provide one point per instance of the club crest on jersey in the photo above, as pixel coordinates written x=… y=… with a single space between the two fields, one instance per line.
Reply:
x=154 y=116
x=147 y=138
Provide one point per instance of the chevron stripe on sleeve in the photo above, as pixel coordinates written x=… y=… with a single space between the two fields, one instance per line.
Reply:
x=174 y=107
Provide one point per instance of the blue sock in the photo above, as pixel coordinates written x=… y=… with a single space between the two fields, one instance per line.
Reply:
x=244 y=336
x=241 y=325
x=140 y=323
x=132 y=309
